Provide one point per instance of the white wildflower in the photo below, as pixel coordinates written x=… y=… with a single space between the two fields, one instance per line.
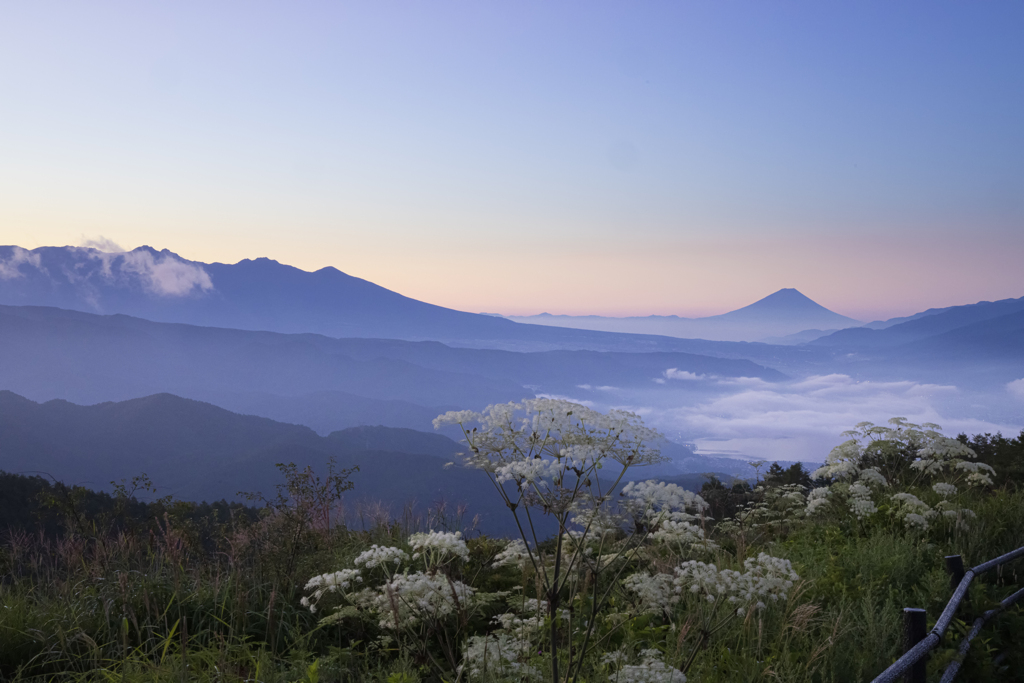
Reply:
x=915 y=521
x=860 y=501
x=817 y=499
x=437 y=546
x=515 y=554
x=379 y=555
x=331 y=582
x=407 y=599
x=499 y=655
x=655 y=592
x=765 y=577
x=528 y=471
x=872 y=476
x=650 y=670
x=914 y=512
x=683 y=534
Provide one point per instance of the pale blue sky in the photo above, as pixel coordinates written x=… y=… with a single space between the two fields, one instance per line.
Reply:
x=574 y=157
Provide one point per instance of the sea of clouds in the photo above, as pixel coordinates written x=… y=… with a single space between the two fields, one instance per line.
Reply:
x=802 y=419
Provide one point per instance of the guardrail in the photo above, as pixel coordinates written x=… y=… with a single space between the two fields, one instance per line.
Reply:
x=912 y=664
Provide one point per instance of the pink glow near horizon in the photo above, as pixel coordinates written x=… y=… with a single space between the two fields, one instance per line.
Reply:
x=609 y=159
x=633 y=282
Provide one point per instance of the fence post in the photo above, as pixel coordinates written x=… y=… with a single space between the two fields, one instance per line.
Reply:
x=914 y=631
x=955 y=567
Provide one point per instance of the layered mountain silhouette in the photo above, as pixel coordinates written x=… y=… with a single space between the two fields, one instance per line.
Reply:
x=327 y=383
x=784 y=313
x=196 y=451
x=928 y=324
x=236 y=336
x=263 y=294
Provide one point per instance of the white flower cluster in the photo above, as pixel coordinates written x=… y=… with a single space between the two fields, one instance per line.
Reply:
x=842 y=463
x=936 y=455
x=594 y=520
x=871 y=475
x=663 y=507
x=520 y=431
x=500 y=655
x=437 y=547
x=529 y=621
x=407 y=599
x=766 y=577
x=651 y=669
x=978 y=473
x=914 y=512
x=817 y=499
x=532 y=471
x=379 y=555
x=860 y=500
x=581 y=457
x=334 y=580
x=662 y=496
x=329 y=583
x=404 y=599
x=515 y=554
x=683 y=534
x=655 y=592
x=942 y=454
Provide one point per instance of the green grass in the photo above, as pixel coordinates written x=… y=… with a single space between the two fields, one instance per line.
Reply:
x=155 y=606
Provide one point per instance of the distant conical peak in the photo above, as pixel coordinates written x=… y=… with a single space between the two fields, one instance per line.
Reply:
x=788 y=297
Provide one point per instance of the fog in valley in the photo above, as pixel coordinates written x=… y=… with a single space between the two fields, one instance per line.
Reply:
x=89 y=326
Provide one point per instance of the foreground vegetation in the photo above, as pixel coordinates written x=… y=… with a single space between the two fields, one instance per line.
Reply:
x=787 y=579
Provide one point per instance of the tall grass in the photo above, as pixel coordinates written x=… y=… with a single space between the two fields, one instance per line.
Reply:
x=156 y=605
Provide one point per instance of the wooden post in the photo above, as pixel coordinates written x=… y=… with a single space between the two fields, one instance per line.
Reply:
x=955 y=567
x=914 y=631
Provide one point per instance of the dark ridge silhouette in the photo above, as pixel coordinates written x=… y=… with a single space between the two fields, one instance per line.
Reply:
x=196 y=451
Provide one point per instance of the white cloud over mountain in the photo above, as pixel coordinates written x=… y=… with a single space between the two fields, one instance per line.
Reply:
x=163 y=274
x=10 y=267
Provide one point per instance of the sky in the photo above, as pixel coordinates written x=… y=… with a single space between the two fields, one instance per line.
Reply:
x=571 y=157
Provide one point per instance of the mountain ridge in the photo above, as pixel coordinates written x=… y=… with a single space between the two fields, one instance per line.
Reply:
x=263 y=294
x=781 y=314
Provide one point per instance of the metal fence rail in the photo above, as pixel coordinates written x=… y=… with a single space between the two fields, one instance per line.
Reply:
x=915 y=655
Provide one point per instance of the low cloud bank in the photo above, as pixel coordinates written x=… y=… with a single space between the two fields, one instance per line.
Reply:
x=675 y=373
x=750 y=418
x=805 y=419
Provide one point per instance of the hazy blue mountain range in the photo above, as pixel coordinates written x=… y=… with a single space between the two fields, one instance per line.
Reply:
x=263 y=294
x=965 y=356
x=929 y=324
x=786 y=312
x=48 y=353
x=197 y=451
